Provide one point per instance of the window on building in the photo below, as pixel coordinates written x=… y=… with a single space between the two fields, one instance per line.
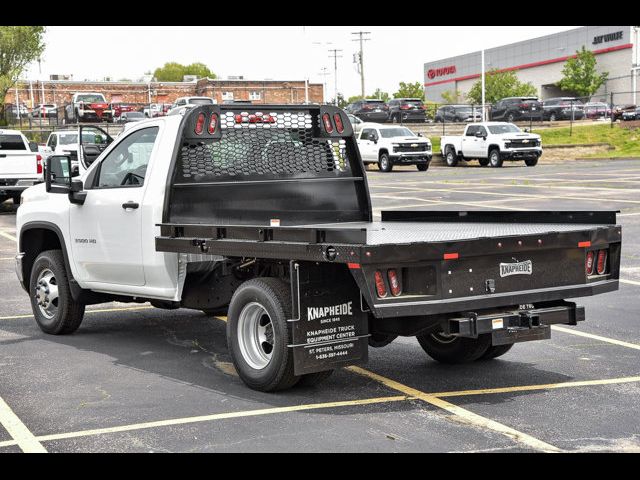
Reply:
x=227 y=95
x=254 y=96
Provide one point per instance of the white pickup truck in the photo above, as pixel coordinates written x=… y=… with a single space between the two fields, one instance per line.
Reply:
x=387 y=145
x=491 y=143
x=20 y=165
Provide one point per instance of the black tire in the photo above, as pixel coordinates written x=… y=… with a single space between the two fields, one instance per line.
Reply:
x=394 y=118
x=454 y=350
x=422 y=167
x=483 y=162
x=496 y=351
x=494 y=158
x=68 y=313
x=16 y=199
x=552 y=117
x=274 y=296
x=379 y=340
x=450 y=157
x=531 y=162
x=3 y=198
x=385 y=164
x=510 y=118
x=313 y=379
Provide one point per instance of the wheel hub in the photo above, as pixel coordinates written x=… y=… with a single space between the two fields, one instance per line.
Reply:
x=256 y=337
x=46 y=293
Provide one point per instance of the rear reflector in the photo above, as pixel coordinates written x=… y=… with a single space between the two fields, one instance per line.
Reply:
x=601 y=264
x=394 y=282
x=39 y=164
x=213 y=123
x=339 y=125
x=451 y=256
x=584 y=244
x=326 y=120
x=590 y=262
x=200 y=124
x=381 y=288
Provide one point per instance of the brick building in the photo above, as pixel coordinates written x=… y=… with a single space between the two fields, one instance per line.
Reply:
x=258 y=91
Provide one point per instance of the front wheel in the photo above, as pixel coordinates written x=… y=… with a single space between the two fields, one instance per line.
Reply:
x=531 y=162
x=54 y=309
x=422 y=167
x=384 y=163
x=258 y=334
x=450 y=349
x=494 y=158
x=510 y=118
x=450 y=157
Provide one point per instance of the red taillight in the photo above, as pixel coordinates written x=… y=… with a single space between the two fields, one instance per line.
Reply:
x=338 y=120
x=200 y=124
x=405 y=107
x=601 y=264
x=381 y=288
x=39 y=164
x=326 y=120
x=394 y=282
x=367 y=107
x=213 y=123
x=589 y=262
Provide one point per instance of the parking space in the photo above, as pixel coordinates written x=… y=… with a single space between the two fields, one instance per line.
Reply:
x=135 y=378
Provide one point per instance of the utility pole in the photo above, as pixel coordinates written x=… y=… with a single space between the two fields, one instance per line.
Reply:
x=361 y=38
x=324 y=71
x=335 y=53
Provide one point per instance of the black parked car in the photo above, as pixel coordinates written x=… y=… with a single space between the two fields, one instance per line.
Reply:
x=560 y=109
x=458 y=113
x=631 y=114
x=369 y=110
x=513 y=109
x=406 y=110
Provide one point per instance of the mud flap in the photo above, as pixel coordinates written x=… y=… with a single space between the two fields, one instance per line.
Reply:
x=329 y=328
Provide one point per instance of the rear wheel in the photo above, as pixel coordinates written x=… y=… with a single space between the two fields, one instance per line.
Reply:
x=422 y=167
x=531 y=162
x=496 y=351
x=450 y=349
x=451 y=157
x=258 y=334
x=384 y=163
x=54 y=309
x=494 y=158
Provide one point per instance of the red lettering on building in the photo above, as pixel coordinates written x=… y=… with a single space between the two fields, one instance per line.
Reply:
x=439 y=72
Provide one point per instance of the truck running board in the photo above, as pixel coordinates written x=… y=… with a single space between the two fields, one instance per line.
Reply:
x=518 y=325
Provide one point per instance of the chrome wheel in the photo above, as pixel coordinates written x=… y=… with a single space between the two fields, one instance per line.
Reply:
x=255 y=335
x=47 y=293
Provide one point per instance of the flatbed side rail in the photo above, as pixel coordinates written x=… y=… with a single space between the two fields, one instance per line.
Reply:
x=603 y=217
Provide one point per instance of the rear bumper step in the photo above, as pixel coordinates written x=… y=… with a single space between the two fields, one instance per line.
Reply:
x=516 y=326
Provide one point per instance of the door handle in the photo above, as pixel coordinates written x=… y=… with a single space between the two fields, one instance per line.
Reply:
x=127 y=205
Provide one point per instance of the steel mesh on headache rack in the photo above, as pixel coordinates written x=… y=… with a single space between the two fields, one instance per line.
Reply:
x=258 y=144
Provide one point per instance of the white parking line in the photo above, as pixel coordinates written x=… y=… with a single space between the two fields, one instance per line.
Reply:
x=8 y=236
x=18 y=430
x=600 y=338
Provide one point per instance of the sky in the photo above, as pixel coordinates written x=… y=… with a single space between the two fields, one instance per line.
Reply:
x=392 y=55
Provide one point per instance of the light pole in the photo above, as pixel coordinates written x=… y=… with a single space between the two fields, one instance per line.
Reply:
x=483 y=98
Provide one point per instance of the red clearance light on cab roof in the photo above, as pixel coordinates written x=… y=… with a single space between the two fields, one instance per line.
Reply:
x=451 y=256
x=200 y=124
x=339 y=125
x=381 y=288
x=213 y=123
x=394 y=282
x=326 y=120
x=586 y=244
x=590 y=262
x=601 y=264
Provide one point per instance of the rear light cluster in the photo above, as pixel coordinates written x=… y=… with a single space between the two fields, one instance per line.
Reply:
x=392 y=281
x=39 y=164
x=329 y=125
x=596 y=262
x=211 y=127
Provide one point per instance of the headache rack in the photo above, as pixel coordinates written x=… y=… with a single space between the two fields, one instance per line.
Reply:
x=262 y=165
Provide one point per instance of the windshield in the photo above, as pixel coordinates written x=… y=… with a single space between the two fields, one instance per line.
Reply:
x=67 y=138
x=504 y=128
x=396 y=132
x=135 y=115
x=91 y=98
x=201 y=101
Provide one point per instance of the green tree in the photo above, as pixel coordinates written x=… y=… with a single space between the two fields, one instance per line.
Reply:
x=175 y=72
x=579 y=74
x=379 y=95
x=452 y=96
x=354 y=98
x=499 y=85
x=19 y=46
x=410 y=90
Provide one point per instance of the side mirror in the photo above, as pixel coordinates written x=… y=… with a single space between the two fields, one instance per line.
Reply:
x=420 y=135
x=33 y=146
x=58 y=174
x=479 y=134
x=526 y=130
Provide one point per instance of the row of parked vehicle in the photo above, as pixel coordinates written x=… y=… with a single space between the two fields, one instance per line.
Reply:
x=511 y=109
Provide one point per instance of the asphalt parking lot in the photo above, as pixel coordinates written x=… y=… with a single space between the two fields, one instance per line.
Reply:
x=135 y=378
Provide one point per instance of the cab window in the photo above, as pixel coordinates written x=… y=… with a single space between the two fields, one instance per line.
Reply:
x=126 y=165
x=471 y=131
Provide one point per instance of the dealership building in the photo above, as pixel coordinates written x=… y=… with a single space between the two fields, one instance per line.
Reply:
x=540 y=62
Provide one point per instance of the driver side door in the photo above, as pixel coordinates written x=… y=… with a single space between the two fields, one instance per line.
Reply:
x=106 y=231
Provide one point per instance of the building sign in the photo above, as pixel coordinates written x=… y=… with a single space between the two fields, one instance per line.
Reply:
x=439 y=72
x=609 y=37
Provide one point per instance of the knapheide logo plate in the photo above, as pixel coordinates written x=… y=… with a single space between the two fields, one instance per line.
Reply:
x=518 y=268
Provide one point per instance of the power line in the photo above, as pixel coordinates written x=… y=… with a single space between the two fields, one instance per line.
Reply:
x=335 y=54
x=361 y=38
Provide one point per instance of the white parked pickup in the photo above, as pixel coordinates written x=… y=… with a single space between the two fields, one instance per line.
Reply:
x=491 y=143
x=20 y=166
